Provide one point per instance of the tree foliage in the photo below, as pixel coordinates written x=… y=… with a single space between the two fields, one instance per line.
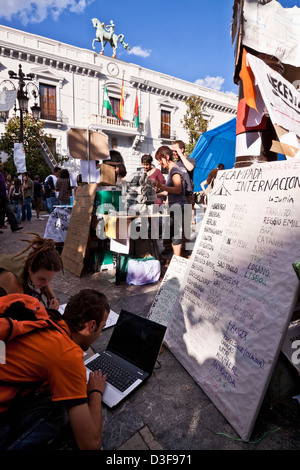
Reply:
x=33 y=130
x=193 y=121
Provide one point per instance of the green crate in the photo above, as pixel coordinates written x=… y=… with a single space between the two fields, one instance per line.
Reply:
x=107 y=200
x=104 y=261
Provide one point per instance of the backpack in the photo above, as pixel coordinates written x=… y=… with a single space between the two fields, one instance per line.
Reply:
x=16 y=194
x=21 y=314
x=48 y=186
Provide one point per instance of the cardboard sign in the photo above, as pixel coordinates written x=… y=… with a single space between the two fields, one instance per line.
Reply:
x=77 y=236
x=240 y=288
x=78 y=144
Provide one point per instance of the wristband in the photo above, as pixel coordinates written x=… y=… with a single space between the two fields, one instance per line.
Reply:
x=96 y=390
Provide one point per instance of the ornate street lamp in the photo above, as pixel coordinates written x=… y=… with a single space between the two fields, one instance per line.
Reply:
x=23 y=96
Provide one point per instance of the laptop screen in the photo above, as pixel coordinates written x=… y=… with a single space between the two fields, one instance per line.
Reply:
x=137 y=339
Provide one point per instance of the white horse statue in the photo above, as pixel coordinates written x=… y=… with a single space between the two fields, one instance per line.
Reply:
x=104 y=36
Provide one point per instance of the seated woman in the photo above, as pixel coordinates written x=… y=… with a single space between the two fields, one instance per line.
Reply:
x=31 y=274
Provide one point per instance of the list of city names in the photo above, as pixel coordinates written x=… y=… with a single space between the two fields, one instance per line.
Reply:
x=240 y=287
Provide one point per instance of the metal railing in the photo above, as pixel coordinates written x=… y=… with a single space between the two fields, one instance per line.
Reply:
x=112 y=121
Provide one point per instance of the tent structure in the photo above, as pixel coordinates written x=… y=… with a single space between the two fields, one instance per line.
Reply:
x=214 y=147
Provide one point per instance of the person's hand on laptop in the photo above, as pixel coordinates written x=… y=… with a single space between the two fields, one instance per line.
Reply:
x=97 y=381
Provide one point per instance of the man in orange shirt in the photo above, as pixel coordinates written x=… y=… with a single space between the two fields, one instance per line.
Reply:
x=43 y=382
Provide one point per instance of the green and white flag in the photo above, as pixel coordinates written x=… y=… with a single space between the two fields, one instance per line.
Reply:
x=106 y=103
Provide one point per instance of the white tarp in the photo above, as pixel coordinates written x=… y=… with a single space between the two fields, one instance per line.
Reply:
x=273 y=29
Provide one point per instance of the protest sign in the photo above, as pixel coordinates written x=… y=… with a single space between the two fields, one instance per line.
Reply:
x=77 y=236
x=58 y=223
x=239 y=291
x=169 y=292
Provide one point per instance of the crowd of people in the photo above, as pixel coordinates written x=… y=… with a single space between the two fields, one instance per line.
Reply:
x=21 y=194
x=43 y=384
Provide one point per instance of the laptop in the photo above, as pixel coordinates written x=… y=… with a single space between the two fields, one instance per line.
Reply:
x=130 y=356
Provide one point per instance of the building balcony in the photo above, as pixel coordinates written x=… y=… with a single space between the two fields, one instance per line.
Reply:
x=58 y=119
x=168 y=137
x=116 y=126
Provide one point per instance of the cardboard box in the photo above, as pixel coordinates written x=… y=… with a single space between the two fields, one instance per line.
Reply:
x=78 y=144
x=107 y=175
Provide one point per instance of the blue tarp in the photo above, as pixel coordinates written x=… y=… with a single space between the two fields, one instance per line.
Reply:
x=214 y=147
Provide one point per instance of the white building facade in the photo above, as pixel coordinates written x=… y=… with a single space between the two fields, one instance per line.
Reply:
x=71 y=82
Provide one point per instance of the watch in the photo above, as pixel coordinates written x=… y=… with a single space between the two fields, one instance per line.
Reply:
x=112 y=68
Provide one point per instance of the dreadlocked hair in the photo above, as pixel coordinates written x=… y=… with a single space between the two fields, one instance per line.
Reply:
x=43 y=254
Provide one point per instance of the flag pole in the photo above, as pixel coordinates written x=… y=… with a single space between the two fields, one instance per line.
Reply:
x=103 y=97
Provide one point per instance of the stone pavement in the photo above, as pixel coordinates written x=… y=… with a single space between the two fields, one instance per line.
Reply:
x=171 y=412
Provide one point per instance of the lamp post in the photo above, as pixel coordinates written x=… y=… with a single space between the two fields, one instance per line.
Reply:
x=23 y=96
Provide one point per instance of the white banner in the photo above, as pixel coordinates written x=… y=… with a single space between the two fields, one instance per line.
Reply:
x=19 y=158
x=7 y=99
x=281 y=98
x=273 y=29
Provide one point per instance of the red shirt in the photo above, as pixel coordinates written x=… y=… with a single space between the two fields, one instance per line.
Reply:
x=158 y=176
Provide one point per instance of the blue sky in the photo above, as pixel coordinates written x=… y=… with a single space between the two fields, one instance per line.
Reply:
x=188 y=39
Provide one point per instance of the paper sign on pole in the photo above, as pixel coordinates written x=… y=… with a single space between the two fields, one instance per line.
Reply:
x=281 y=98
x=19 y=158
x=272 y=29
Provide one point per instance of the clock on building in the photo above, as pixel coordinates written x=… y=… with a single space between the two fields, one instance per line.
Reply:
x=112 y=69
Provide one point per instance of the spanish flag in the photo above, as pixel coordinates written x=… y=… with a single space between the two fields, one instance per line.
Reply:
x=122 y=102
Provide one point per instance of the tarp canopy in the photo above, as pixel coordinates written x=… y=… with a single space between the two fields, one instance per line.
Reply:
x=214 y=147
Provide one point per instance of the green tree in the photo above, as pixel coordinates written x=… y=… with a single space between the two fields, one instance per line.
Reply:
x=33 y=130
x=193 y=121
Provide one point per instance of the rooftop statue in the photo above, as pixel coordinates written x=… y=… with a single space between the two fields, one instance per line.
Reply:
x=105 y=34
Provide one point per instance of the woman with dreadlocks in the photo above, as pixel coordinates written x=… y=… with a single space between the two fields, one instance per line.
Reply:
x=31 y=274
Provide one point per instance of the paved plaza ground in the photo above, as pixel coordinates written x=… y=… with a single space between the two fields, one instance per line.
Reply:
x=171 y=412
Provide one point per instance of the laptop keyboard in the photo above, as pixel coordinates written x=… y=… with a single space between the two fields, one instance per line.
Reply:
x=116 y=375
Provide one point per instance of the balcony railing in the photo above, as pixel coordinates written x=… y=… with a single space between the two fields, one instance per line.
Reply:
x=112 y=121
x=58 y=118
x=167 y=136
